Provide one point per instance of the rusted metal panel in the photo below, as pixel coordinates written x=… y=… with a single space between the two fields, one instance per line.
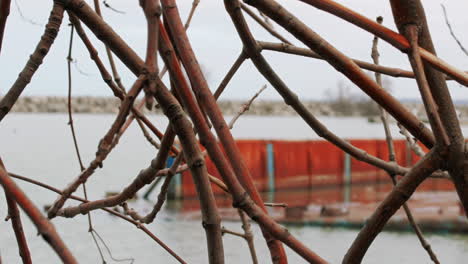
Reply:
x=361 y=171
x=292 y=164
x=327 y=163
x=255 y=158
x=310 y=164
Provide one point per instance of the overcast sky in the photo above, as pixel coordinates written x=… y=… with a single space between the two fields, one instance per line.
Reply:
x=217 y=46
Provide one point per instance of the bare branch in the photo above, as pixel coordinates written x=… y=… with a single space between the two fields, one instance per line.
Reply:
x=137 y=224
x=392 y=155
x=45 y=228
x=245 y=107
x=451 y=31
x=291 y=49
x=35 y=60
x=25 y=18
x=4 y=12
x=106 y=4
x=265 y=23
x=411 y=141
x=14 y=216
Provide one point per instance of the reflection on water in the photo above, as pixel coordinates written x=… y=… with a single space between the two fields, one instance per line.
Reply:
x=350 y=206
x=40 y=147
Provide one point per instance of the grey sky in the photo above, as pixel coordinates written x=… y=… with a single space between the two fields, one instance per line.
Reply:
x=217 y=46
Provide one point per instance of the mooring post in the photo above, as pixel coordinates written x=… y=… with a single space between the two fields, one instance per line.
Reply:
x=347 y=178
x=271 y=171
x=174 y=190
x=408 y=152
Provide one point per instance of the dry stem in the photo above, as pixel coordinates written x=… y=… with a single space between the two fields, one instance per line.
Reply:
x=35 y=60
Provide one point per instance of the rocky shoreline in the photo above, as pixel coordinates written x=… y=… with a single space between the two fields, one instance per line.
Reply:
x=89 y=104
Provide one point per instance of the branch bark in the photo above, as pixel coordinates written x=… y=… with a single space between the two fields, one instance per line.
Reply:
x=35 y=60
x=240 y=196
x=346 y=66
x=397 y=197
x=206 y=98
x=291 y=49
x=14 y=216
x=411 y=14
x=110 y=57
x=145 y=176
x=291 y=99
x=105 y=146
x=110 y=211
x=388 y=35
x=195 y=160
x=392 y=156
x=45 y=228
x=4 y=12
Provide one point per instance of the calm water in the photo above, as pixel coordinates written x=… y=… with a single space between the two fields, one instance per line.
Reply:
x=39 y=146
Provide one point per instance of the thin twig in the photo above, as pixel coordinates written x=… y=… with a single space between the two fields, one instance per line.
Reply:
x=291 y=49
x=136 y=110
x=388 y=35
x=245 y=107
x=70 y=115
x=263 y=22
x=106 y=144
x=205 y=98
x=35 y=60
x=248 y=235
x=191 y=13
x=78 y=68
x=101 y=255
x=147 y=135
x=193 y=155
x=176 y=168
x=451 y=31
x=411 y=141
x=24 y=18
x=44 y=227
x=397 y=197
x=115 y=72
x=131 y=260
x=144 y=177
x=75 y=141
x=135 y=223
x=112 y=85
x=164 y=189
x=14 y=216
x=418 y=33
x=411 y=33
x=152 y=11
x=227 y=78
x=292 y=99
x=346 y=66
x=241 y=197
x=227 y=231
x=392 y=156
x=104 y=2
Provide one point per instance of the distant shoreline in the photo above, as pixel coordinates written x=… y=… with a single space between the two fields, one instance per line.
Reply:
x=90 y=104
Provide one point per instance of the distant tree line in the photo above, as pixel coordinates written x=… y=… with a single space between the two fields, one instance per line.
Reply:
x=343 y=100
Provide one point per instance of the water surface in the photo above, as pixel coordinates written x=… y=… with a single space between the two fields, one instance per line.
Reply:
x=39 y=146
